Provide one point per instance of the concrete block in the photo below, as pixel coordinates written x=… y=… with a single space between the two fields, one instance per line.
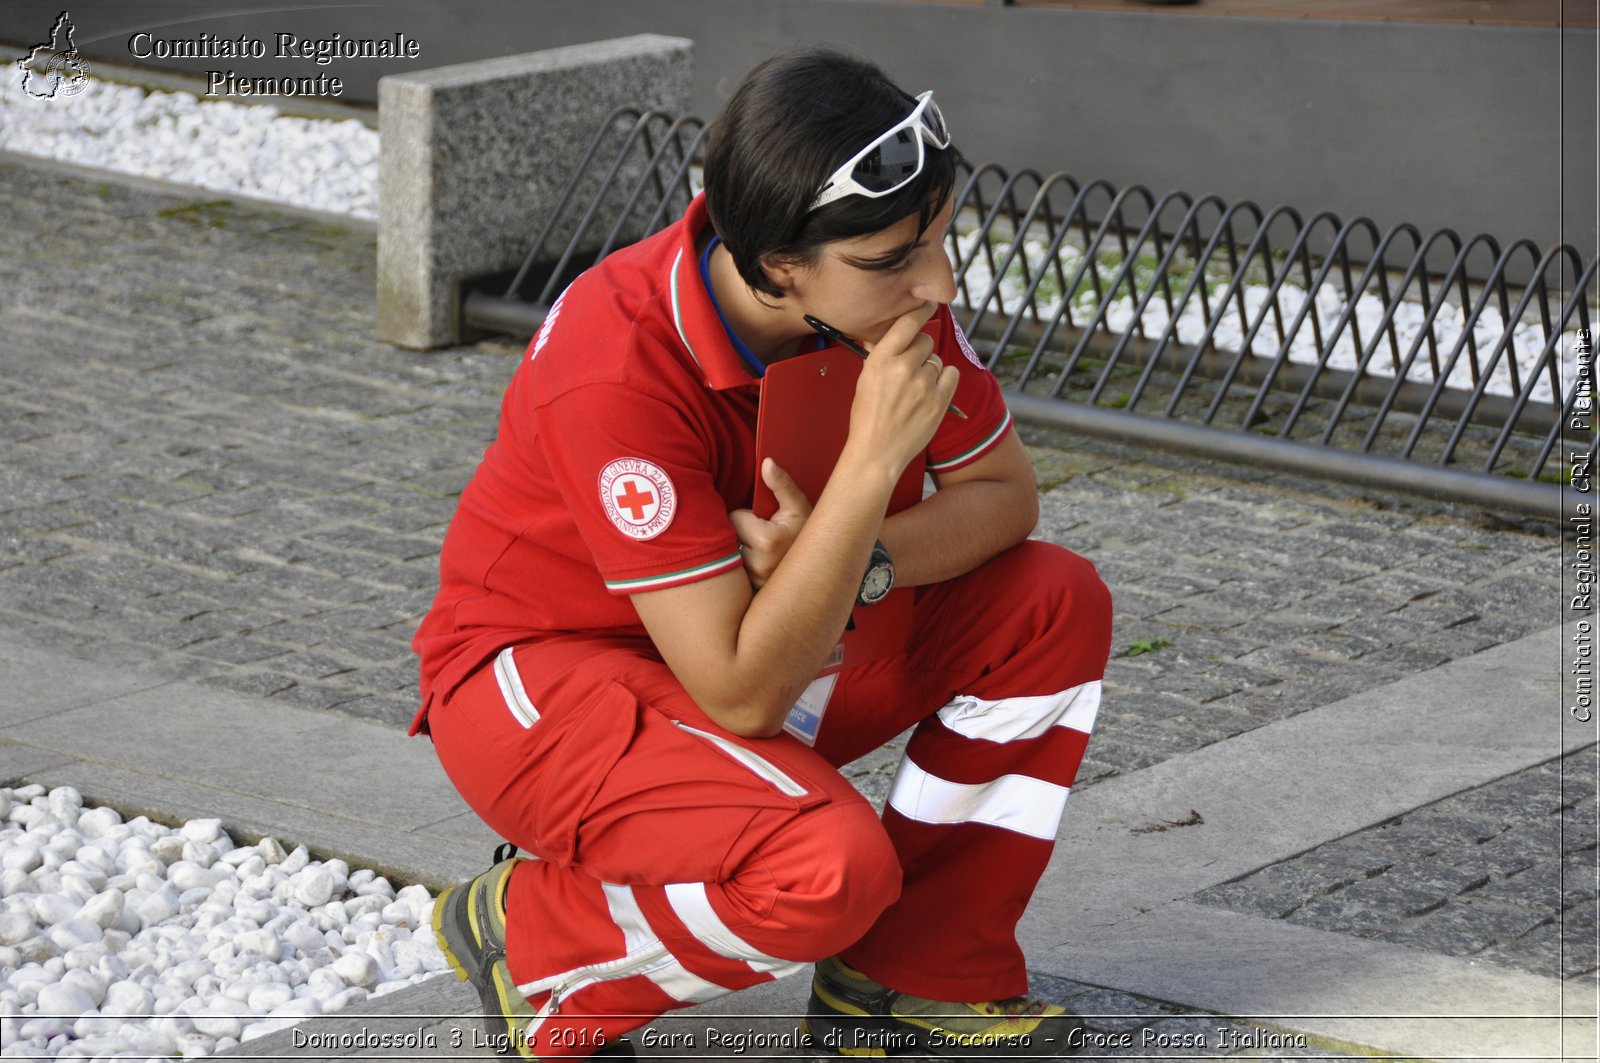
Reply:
x=18 y=761
x=475 y=156
x=37 y=682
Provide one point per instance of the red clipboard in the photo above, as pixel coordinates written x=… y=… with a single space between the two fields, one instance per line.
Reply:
x=802 y=424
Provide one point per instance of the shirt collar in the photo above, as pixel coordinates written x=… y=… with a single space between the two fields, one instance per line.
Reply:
x=751 y=362
x=694 y=314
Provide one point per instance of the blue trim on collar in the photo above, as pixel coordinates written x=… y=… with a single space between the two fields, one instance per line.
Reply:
x=757 y=366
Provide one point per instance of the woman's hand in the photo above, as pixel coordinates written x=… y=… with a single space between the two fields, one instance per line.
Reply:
x=903 y=392
x=764 y=542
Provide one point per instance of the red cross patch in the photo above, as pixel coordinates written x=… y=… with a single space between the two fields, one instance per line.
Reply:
x=638 y=497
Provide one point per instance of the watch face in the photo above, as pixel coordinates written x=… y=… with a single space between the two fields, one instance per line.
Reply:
x=876 y=585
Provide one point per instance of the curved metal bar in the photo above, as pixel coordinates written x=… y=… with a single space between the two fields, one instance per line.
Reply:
x=1402 y=374
x=1054 y=247
x=998 y=271
x=1091 y=260
x=1173 y=311
x=1504 y=346
x=548 y=292
x=1307 y=307
x=1097 y=319
x=1197 y=281
x=1441 y=380
x=1007 y=198
x=1547 y=362
x=560 y=211
x=1151 y=229
x=653 y=173
x=1346 y=319
x=1427 y=300
x=679 y=178
x=1247 y=341
x=1233 y=289
x=1391 y=302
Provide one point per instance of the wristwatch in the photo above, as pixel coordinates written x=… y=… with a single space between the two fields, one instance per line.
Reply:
x=875 y=585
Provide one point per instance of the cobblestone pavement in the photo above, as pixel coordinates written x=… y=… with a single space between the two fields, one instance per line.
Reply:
x=1504 y=871
x=215 y=471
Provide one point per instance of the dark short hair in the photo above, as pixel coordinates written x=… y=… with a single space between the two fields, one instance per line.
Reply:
x=794 y=120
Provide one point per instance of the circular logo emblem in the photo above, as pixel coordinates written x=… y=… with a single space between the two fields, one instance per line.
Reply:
x=67 y=74
x=638 y=496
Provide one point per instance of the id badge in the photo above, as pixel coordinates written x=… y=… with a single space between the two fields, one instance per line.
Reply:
x=805 y=718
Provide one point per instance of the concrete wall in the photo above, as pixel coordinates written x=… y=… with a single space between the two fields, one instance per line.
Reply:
x=475 y=157
x=1478 y=128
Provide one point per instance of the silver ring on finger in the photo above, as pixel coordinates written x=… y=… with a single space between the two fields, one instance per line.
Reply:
x=935 y=361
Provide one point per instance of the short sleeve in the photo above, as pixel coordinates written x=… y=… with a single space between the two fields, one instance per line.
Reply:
x=958 y=442
x=636 y=479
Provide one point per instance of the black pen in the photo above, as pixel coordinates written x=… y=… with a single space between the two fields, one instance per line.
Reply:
x=828 y=332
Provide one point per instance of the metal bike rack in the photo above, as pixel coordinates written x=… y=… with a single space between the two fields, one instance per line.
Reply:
x=1433 y=365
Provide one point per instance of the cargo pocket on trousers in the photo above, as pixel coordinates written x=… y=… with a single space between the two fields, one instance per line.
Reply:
x=569 y=763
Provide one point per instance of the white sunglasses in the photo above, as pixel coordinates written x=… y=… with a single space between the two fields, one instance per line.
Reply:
x=892 y=160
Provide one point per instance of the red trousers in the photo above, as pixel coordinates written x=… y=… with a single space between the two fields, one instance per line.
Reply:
x=677 y=862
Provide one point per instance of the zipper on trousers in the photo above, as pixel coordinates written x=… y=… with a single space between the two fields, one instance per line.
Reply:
x=595 y=974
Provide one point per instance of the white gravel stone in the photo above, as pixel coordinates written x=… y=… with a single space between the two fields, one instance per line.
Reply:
x=63 y=998
x=202 y=830
x=168 y=849
x=89 y=982
x=357 y=968
x=22 y=856
x=186 y=875
x=158 y=906
x=51 y=909
x=17 y=927
x=247 y=149
x=147 y=952
x=127 y=998
x=266 y=998
x=103 y=909
x=65 y=802
x=95 y=822
x=71 y=933
x=313 y=886
x=293 y=863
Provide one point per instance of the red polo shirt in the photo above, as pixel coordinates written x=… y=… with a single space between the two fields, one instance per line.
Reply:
x=626 y=436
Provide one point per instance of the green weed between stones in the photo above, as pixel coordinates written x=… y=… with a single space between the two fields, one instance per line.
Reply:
x=1150 y=645
x=200 y=212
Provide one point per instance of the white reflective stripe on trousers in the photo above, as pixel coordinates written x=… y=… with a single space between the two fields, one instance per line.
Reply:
x=673 y=978
x=645 y=955
x=1012 y=719
x=693 y=906
x=1018 y=803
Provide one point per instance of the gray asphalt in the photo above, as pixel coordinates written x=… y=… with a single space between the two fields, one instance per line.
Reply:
x=1334 y=800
